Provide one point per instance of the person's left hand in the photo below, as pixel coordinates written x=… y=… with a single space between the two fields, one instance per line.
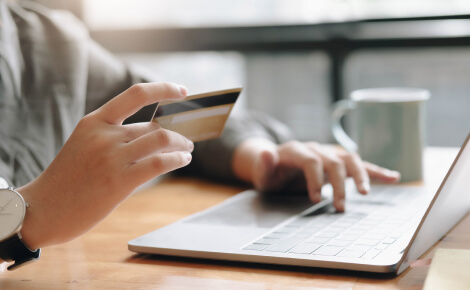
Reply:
x=269 y=167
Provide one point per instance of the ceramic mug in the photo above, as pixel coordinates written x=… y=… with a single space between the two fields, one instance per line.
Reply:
x=389 y=125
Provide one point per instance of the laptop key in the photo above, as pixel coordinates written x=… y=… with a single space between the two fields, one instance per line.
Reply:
x=344 y=224
x=389 y=241
x=351 y=254
x=370 y=222
x=374 y=236
x=360 y=227
x=381 y=246
x=319 y=240
x=339 y=243
x=276 y=235
x=305 y=248
x=371 y=254
x=328 y=251
x=367 y=242
x=284 y=245
x=267 y=241
x=335 y=229
x=287 y=229
x=299 y=222
x=382 y=230
x=302 y=235
x=354 y=232
x=359 y=248
x=326 y=234
x=397 y=234
x=256 y=247
x=348 y=237
x=311 y=230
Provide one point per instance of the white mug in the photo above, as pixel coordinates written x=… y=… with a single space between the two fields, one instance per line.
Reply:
x=390 y=128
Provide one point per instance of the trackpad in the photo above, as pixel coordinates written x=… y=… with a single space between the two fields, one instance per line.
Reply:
x=252 y=209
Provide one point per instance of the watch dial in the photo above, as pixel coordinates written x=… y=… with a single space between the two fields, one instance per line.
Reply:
x=12 y=210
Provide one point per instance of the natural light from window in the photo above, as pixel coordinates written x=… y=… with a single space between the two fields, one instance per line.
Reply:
x=134 y=14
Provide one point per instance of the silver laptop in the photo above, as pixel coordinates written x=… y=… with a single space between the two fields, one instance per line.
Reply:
x=380 y=232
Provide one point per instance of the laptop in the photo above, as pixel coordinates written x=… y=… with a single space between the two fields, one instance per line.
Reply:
x=381 y=232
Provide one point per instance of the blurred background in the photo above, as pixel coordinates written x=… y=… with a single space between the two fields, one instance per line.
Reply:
x=295 y=58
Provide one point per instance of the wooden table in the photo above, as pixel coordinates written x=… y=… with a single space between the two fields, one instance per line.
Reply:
x=100 y=259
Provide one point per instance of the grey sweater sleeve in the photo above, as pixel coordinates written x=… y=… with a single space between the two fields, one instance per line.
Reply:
x=51 y=74
x=108 y=77
x=212 y=159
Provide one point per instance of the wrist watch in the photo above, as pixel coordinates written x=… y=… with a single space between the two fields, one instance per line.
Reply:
x=12 y=213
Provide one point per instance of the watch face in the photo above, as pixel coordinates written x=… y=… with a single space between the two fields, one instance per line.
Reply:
x=12 y=211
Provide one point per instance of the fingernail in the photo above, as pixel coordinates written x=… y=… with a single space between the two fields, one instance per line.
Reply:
x=191 y=145
x=340 y=205
x=392 y=173
x=183 y=90
x=317 y=197
x=189 y=157
x=365 y=186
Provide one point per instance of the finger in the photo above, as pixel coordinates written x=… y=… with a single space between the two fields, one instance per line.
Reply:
x=336 y=171
x=134 y=131
x=158 y=141
x=156 y=165
x=133 y=99
x=381 y=174
x=296 y=154
x=356 y=169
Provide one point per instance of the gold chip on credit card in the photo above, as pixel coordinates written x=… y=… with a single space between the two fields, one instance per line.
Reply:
x=197 y=117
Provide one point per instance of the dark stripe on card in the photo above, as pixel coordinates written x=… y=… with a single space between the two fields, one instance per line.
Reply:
x=196 y=104
x=143 y=115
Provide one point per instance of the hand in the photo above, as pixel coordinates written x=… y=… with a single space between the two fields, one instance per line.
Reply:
x=100 y=165
x=269 y=167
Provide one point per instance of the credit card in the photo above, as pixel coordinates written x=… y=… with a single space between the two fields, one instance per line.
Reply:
x=197 y=117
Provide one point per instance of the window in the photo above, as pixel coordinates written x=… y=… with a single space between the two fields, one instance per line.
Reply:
x=116 y=14
x=433 y=56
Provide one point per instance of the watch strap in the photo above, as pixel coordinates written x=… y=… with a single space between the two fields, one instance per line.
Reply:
x=13 y=249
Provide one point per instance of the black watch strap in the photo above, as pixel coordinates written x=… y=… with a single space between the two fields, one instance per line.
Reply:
x=13 y=249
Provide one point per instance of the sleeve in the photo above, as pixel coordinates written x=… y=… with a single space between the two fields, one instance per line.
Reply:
x=108 y=76
x=212 y=159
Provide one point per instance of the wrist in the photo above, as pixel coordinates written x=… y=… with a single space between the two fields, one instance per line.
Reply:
x=30 y=235
x=13 y=248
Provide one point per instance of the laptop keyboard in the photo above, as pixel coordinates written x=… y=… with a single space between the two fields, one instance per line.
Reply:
x=368 y=227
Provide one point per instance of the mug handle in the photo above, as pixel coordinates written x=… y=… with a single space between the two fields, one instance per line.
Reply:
x=340 y=109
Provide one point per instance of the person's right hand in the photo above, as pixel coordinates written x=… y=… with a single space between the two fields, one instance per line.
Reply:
x=100 y=165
